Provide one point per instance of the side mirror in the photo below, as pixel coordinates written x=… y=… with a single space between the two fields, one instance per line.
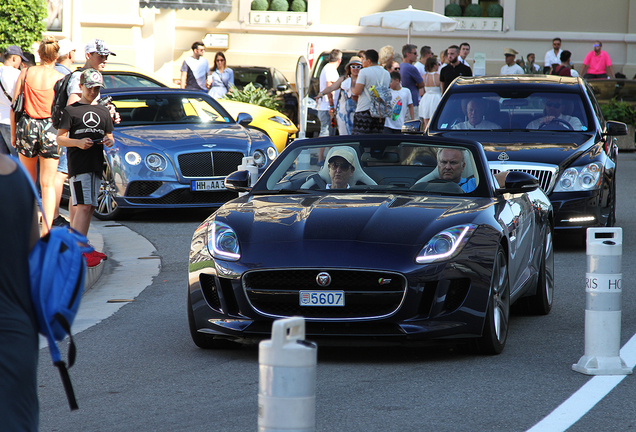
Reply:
x=238 y=181
x=412 y=127
x=282 y=87
x=244 y=119
x=614 y=128
x=519 y=182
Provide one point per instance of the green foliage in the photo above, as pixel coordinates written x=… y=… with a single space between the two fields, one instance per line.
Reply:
x=495 y=11
x=474 y=10
x=254 y=96
x=22 y=22
x=260 y=5
x=299 y=6
x=619 y=111
x=279 y=5
x=453 y=9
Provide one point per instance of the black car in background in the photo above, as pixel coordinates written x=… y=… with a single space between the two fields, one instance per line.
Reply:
x=278 y=86
x=549 y=126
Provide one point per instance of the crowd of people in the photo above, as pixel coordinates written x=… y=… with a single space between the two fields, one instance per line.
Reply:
x=417 y=80
x=73 y=151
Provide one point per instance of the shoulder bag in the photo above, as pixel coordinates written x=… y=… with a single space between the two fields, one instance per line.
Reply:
x=18 y=103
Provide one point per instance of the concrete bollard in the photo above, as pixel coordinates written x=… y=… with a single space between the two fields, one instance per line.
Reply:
x=287 y=379
x=603 y=310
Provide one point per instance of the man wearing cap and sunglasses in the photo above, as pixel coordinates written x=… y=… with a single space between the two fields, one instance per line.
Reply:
x=9 y=74
x=341 y=168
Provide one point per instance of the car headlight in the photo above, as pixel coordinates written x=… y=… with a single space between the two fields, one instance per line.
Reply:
x=259 y=158
x=156 y=162
x=223 y=242
x=272 y=153
x=133 y=158
x=446 y=244
x=281 y=120
x=580 y=178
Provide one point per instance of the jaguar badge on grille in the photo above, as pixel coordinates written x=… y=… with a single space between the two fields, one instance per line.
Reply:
x=503 y=156
x=323 y=279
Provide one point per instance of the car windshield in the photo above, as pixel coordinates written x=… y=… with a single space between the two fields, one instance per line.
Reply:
x=144 y=109
x=386 y=167
x=259 y=77
x=518 y=110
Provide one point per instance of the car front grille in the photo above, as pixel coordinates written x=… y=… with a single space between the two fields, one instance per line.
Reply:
x=185 y=196
x=142 y=188
x=546 y=174
x=367 y=293
x=209 y=164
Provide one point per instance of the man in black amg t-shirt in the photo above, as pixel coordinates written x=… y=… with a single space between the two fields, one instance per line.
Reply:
x=85 y=128
x=453 y=69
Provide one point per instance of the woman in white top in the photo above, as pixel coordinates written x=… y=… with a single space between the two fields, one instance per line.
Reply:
x=347 y=103
x=221 y=77
x=433 y=91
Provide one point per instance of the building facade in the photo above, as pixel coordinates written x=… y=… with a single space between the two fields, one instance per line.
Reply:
x=156 y=35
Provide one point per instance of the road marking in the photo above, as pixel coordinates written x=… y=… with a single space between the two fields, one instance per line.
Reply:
x=571 y=411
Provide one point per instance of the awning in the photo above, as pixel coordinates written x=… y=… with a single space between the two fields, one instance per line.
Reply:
x=218 y=5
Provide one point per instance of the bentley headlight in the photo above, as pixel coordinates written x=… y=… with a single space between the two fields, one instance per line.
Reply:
x=281 y=120
x=156 y=162
x=446 y=244
x=259 y=158
x=223 y=242
x=581 y=178
x=133 y=158
x=272 y=153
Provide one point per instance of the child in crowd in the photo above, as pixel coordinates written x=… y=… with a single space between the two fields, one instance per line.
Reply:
x=401 y=99
x=85 y=128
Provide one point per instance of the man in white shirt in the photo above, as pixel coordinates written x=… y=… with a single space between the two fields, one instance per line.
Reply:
x=511 y=68
x=328 y=76
x=9 y=74
x=425 y=53
x=194 y=70
x=464 y=50
x=554 y=116
x=553 y=56
x=371 y=75
x=475 y=111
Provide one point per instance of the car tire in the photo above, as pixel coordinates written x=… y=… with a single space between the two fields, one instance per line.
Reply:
x=107 y=208
x=541 y=302
x=495 y=333
x=204 y=341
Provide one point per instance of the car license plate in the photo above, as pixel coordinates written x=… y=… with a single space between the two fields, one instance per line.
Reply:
x=322 y=298
x=207 y=185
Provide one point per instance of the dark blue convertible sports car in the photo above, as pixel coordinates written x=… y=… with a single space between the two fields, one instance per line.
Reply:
x=173 y=148
x=395 y=239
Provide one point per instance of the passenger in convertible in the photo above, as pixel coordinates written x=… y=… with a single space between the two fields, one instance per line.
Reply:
x=341 y=168
x=450 y=165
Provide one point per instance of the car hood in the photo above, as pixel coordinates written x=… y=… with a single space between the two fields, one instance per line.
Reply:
x=541 y=147
x=165 y=137
x=377 y=219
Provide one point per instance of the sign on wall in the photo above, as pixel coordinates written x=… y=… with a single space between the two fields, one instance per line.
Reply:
x=278 y=18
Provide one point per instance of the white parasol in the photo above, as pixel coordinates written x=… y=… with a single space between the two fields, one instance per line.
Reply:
x=410 y=19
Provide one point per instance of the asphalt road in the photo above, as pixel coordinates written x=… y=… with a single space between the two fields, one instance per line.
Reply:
x=139 y=371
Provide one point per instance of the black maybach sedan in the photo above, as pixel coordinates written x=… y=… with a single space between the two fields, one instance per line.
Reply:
x=548 y=126
x=399 y=255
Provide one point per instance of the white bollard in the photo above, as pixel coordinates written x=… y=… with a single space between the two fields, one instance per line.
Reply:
x=287 y=379
x=603 y=310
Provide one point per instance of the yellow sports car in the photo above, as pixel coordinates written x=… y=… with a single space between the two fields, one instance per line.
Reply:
x=276 y=125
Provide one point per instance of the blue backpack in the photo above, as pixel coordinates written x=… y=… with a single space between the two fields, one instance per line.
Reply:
x=57 y=270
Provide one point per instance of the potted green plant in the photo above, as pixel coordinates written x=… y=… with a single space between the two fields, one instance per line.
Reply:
x=623 y=112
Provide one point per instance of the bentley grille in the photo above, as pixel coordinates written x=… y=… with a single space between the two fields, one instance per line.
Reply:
x=367 y=293
x=209 y=164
